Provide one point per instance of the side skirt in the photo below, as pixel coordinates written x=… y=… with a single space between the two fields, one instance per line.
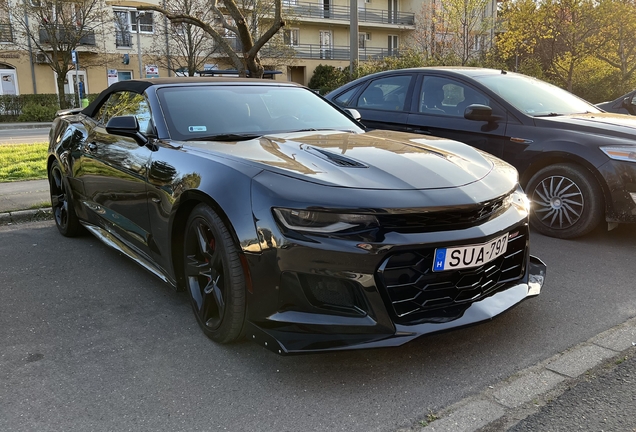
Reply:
x=116 y=243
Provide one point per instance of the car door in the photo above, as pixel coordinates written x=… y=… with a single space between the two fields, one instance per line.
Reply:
x=438 y=109
x=382 y=104
x=113 y=170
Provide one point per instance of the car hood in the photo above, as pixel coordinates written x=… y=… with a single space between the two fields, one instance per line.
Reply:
x=374 y=160
x=609 y=124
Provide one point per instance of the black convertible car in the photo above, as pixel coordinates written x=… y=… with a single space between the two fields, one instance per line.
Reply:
x=577 y=164
x=285 y=221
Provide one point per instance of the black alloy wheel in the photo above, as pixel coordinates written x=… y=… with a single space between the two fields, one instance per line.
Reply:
x=566 y=200
x=214 y=276
x=61 y=203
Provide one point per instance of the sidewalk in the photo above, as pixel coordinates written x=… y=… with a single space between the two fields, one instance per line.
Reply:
x=23 y=201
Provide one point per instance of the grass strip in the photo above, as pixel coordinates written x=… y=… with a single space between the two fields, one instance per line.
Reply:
x=22 y=162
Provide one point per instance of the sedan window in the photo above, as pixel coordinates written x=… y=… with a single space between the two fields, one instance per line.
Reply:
x=386 y=93
x=344 y=99
x=534 y=97
x=443 y=96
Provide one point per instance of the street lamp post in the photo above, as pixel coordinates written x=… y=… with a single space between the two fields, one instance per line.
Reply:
x=139 y=15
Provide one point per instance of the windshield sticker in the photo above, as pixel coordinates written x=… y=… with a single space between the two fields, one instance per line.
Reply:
x=197 y=128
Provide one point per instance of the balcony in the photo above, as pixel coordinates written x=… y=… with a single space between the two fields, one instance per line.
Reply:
x=6 y=33
x=309 y=51
x=123 y=39
x=341 y=13
x=69 y=35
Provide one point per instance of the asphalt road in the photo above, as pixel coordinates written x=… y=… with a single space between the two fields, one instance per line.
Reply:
x=24 y=136
x=90 y=341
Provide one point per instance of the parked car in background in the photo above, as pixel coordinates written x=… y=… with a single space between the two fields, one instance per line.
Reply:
x=625 y=104
x=284 y=220
x=577 y=164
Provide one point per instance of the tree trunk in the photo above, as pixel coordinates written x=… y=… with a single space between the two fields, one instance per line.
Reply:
x=61 y=94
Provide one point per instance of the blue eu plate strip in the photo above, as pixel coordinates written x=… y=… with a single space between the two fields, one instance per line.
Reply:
x=440 y=259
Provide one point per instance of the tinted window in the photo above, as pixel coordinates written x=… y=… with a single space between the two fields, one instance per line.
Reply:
x=345 y=98
x=386 y=93
x=443 y=96
x=534 y=97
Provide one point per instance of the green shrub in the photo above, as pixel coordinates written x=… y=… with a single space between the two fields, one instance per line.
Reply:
x=327 y=78
x=37 y=113
x=12 y=107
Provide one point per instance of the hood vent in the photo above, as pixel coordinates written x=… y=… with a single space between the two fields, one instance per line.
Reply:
x=336 y=159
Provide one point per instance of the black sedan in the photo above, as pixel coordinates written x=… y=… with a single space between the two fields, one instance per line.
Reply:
x=625 y=104
x=285 y=221
x=577 y=164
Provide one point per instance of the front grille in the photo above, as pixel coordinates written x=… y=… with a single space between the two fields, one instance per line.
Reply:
x=417 y=294
x=442 y=220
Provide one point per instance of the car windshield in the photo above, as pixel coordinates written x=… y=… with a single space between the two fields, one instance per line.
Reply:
x=235 y=112
x=534 y=97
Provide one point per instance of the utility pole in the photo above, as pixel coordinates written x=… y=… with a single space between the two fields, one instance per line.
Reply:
x=353 y=33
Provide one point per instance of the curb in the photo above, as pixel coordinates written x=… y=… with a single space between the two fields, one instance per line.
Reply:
x=506 y=403
x=20 y=216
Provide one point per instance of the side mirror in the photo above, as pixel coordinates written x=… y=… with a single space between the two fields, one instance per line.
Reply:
x=478 y=112
x=127 y=126
x=626 y=102
x=353 y=113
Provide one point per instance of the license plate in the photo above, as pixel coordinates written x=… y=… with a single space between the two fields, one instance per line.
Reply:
x=462 y=257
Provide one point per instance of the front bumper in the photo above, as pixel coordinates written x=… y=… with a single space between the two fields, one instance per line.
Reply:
x=284 y=342
x=620 y=180
x=328 y=294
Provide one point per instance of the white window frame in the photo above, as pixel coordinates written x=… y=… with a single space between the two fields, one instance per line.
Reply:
x=293 y=34
x=131 y=22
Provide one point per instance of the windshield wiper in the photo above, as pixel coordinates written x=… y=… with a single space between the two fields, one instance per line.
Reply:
x=227 y=137
x=552 y=114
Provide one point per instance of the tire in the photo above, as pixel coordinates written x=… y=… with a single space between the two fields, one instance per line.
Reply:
x=214 y=276
x=566 y=201
x=66 y=219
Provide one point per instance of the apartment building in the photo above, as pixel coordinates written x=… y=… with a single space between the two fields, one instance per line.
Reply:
x=118 y=47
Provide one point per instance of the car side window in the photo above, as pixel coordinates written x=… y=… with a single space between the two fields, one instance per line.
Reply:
x=127 y=103
x=443 y=96
x=344 y=99
x=386 y=93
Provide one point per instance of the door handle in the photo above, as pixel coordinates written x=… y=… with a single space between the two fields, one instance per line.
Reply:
x=91 y=146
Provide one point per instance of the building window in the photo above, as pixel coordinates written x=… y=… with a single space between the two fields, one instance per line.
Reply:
x=145 y=22
x=362 y=40
x=291 y=36
x=126 y=21
x=393 y=44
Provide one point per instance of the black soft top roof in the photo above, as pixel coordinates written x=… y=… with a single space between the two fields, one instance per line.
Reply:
x=140 y=86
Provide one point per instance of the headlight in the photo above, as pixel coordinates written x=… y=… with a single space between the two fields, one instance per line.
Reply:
x=323 y=222
x=519 y=200
x=624 y=153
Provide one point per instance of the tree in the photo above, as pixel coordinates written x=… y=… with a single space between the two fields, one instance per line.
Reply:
x=459 y=27
x=55 y=28
x=617 y=38
x=571 y=26
x=240 y=24
x=523 y=30
x=189 y=47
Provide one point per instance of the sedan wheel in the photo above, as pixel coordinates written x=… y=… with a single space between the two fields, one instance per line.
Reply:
x=567 y=201
x=61 y=204
x=214 y=276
